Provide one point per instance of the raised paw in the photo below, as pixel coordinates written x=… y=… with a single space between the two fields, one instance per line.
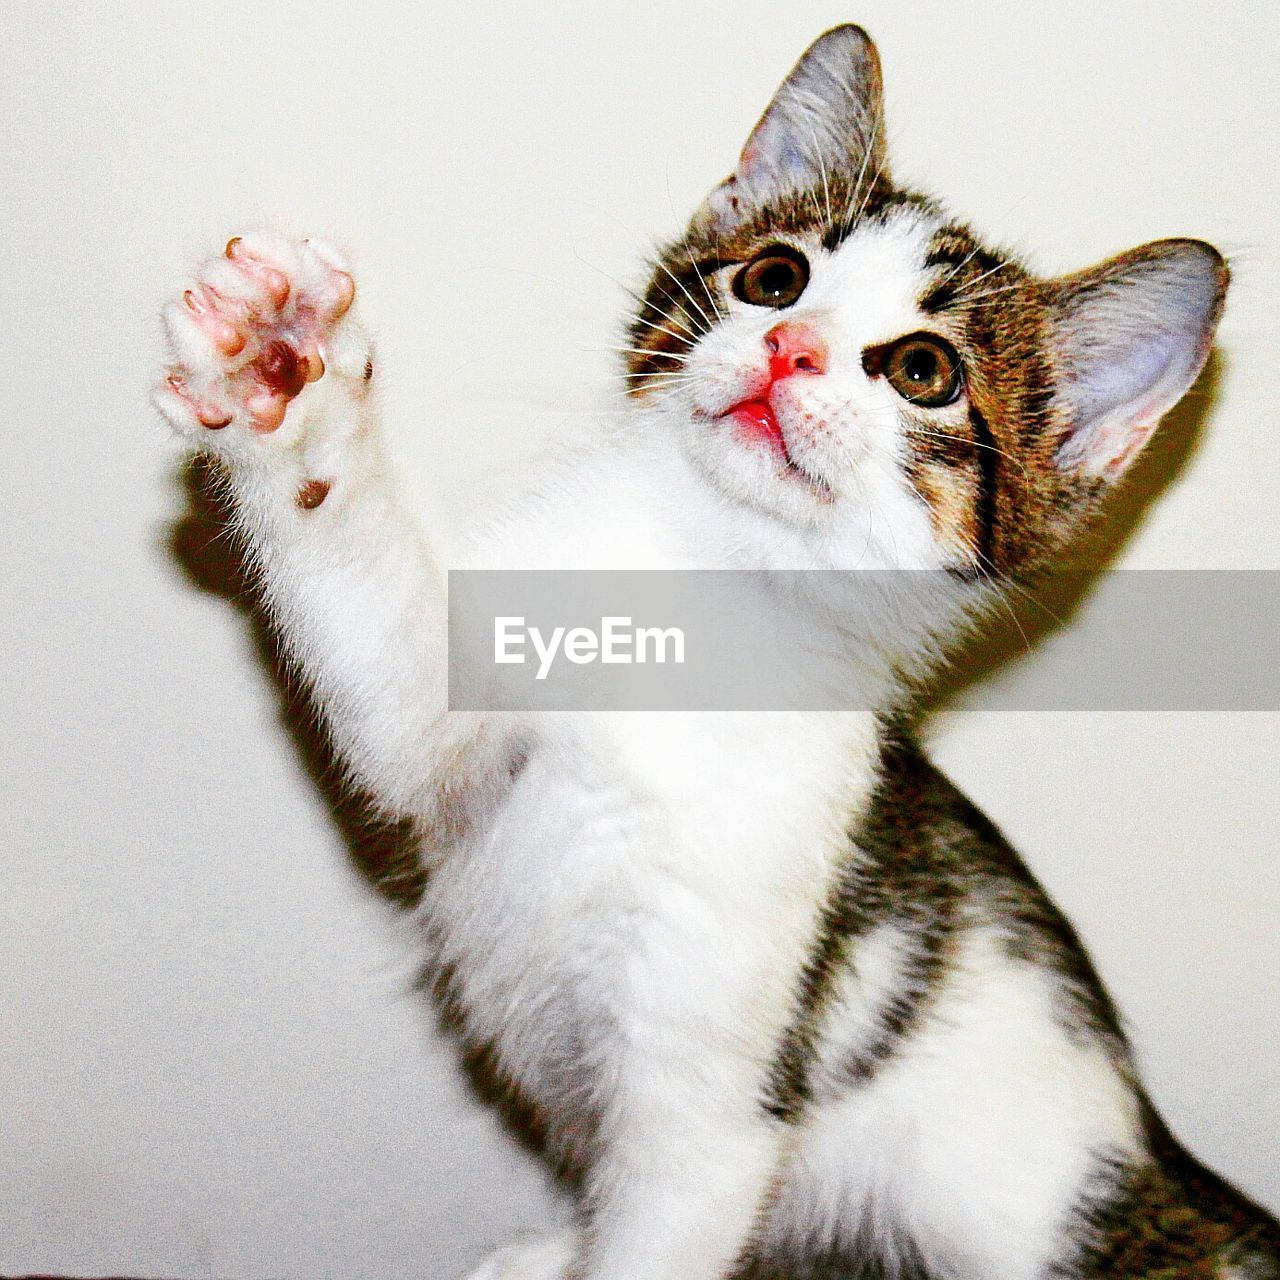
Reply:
x=264 y=321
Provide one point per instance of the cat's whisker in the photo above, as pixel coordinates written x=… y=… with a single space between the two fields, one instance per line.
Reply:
x=1000 y=583
x=977 y=444
x=960 y=266
x=1000 y=266
x=639 y=239
x=672 y=375
x=822 y=165
x=640 y=301
x=872 y=142
x=961 y=303
x=697 y=330
x=1035 y=600
x=977 y=280
x=711 y=297
x=649 y=352
x=868 y=192
x=681 y=286
x=661 y=329
x=997 y=583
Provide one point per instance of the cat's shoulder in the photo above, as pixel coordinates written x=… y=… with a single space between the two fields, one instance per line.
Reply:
x=600 y=502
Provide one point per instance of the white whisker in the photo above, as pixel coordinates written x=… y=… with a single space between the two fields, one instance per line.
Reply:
x=977 y=280
x=822 y=166
x=862 y=173
x=638 y=351
x=662 y=328
x=680 y=284
x=711 y=297
x=959 y=266
x=968 y=300
x=977 y=444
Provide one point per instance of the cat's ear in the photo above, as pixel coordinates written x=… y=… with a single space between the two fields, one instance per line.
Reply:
x=827 y=117
x=1131 y=335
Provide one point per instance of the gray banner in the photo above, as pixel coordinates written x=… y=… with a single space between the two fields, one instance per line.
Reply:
x=746 y=641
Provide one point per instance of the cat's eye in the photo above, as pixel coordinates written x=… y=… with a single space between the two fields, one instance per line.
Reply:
x=922 y=369
x=774 y=278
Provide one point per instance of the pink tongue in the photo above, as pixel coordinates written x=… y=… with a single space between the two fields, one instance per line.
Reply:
x=757 y=421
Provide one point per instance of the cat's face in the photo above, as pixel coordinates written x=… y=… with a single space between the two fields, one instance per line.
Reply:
x=849 y=363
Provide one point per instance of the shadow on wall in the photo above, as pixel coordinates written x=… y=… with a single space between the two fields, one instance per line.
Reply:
x=384 y=853
x=204 y=543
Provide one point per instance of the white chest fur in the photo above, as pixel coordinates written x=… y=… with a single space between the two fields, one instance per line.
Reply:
x=640 y=866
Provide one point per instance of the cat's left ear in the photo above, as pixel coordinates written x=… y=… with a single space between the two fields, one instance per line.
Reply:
x=1131 y=335
x=827 y=117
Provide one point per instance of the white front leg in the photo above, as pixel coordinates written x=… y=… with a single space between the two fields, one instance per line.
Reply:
x=272 y=374
x=710 y=939
x=547 y=1258
x=689 y=1152
x=691 y=1164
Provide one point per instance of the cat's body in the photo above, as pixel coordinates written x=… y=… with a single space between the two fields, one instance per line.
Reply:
x=774 y=996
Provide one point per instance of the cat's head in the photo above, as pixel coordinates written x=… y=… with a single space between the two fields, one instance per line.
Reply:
x=855 y=366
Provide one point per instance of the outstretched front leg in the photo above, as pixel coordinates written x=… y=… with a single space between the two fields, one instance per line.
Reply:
x=272 y=374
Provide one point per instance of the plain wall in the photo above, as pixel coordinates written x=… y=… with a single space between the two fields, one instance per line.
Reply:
x=212 y=1060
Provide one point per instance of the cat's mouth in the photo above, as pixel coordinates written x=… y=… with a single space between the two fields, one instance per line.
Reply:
x=756 y=422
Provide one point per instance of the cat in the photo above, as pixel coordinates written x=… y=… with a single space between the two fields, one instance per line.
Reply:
x=778 y=1001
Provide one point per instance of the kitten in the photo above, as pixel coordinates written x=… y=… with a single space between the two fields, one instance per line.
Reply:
x=779 y=1000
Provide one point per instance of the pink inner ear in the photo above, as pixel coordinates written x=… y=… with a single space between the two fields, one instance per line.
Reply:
x=1135 y=438
x=1132 y=335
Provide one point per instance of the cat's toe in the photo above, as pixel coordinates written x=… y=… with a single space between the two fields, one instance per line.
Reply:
x=186 y=407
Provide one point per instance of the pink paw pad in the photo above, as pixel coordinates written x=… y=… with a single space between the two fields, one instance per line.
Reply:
x=204 y=303
x=264 y=312
x=276 y=283
x=208 y=415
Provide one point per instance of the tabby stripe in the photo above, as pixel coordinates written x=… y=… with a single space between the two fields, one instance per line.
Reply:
x=985 y=509
x=938 y=298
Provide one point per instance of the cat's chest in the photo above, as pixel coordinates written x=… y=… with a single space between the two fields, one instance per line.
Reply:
x=620 y=802
x=635 y=846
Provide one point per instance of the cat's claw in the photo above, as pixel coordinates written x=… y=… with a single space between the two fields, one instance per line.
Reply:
x=266 y=319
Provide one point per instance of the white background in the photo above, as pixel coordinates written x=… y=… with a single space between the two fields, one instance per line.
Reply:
x=211 y=1059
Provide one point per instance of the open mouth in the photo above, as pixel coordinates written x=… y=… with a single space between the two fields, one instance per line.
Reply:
x=756 y=421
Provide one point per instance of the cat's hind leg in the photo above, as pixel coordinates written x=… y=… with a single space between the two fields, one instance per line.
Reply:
x=1171 y=1216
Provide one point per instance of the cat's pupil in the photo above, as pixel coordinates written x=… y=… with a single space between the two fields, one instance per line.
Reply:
x=921 y=365
x=777 y=279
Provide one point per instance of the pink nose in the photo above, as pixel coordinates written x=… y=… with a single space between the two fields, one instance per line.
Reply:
x=794 y=348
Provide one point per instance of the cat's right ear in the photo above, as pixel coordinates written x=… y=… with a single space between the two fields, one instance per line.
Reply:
x=828 y=117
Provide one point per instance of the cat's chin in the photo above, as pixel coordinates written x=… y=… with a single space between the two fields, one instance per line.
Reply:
x=755 y=427
x=757 y=472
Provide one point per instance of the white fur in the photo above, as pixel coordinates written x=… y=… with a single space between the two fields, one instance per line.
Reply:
x=547 y=1258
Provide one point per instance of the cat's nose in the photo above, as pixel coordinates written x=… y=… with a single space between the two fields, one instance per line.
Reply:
x=793 y=348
